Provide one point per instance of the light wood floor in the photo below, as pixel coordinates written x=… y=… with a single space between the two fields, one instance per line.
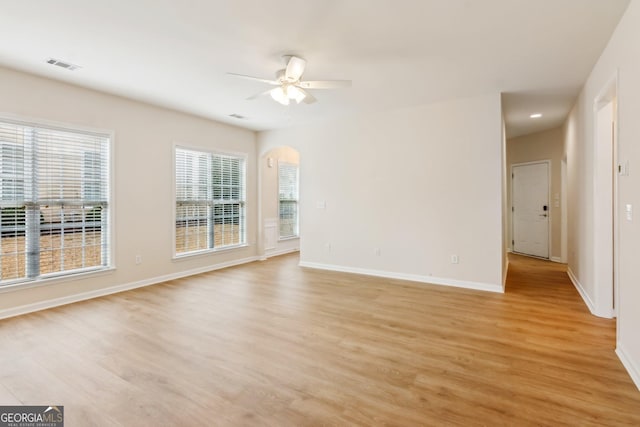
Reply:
x=273 y=344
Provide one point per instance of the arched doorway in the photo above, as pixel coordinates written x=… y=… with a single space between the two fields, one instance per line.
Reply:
x=279 y=173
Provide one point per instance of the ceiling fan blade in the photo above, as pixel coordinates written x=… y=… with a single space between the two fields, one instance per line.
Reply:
x=295 y=68
x=325 y=84
x=257 y=79
x=258 y=95
x=308 y=98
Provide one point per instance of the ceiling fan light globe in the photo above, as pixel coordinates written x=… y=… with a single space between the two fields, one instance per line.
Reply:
x=279 y=95
x=296 y=94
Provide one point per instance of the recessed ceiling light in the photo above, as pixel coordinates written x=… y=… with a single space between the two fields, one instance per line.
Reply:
x=237 y=116
x=536 y=116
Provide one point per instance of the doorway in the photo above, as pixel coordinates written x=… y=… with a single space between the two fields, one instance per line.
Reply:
x=530 y=208
x=279 y=202
x=606 y=201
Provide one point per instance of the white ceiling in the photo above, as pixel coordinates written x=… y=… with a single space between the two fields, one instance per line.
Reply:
x=399 y=53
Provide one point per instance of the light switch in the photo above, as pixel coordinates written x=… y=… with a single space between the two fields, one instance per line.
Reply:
x=629 y=211
x=321 y=205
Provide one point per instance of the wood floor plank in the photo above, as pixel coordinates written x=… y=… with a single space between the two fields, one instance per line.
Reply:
x=274 y=344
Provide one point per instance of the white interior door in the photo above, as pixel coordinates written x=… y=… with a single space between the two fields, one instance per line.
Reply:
x=530 y=195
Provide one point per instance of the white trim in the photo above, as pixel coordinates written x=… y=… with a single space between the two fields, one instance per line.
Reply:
x=205 y=149
x=585 y=297
x=270 y=225
x=505 y=273
x=556 y=259
x=203 y=252
x=174 y=190
x=279 y=252
x=606 y=279
x=111 y=219
x=490 y=287
x=564 y=211
x=629 y=364
x=56 y=302
x=55 y=278
x=54 y=124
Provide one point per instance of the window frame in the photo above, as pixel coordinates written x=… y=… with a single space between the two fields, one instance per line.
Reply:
x=175 y=256
x=88 y=272
x=297 y=203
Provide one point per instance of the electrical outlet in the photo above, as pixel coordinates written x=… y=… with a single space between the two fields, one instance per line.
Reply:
x=376 y=251
x=454 y=259
x=138 y=259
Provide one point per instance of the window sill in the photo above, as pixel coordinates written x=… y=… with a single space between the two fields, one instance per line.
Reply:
x=55 y=279
x=205 y=252
x=284 y=239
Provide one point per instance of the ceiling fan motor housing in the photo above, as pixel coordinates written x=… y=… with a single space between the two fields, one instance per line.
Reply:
x=280 y=75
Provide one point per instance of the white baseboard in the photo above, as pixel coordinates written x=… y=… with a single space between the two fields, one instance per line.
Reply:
x=556 y=259
x=606 y=313
x=269 y=254
x=56 y=302
x=505 y=273
x=581 y=291
x=490 y=287
x=629 y=364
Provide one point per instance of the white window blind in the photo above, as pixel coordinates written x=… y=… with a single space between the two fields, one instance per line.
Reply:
x=210 y=201
x=54 y=201
x=288 y=199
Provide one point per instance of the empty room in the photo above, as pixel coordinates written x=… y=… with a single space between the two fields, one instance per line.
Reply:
x=247 y=213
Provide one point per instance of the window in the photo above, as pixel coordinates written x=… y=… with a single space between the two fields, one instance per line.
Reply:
x=54 y=202
x=210 y=201
x=288 y=198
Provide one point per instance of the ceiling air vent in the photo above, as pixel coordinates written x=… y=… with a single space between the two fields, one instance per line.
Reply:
x=237 y=116
x=65 y=65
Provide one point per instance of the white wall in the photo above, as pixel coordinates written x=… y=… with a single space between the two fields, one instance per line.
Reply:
x=621 y=57
x=143 y=158
x=419 y=184
x=271 y=244
x=546 y=145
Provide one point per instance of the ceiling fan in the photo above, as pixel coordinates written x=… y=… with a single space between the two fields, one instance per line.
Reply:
x=289 y=86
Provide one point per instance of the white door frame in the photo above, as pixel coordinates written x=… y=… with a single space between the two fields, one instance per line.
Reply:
x=606 y=280
x=549 y=224
x=563 y=211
